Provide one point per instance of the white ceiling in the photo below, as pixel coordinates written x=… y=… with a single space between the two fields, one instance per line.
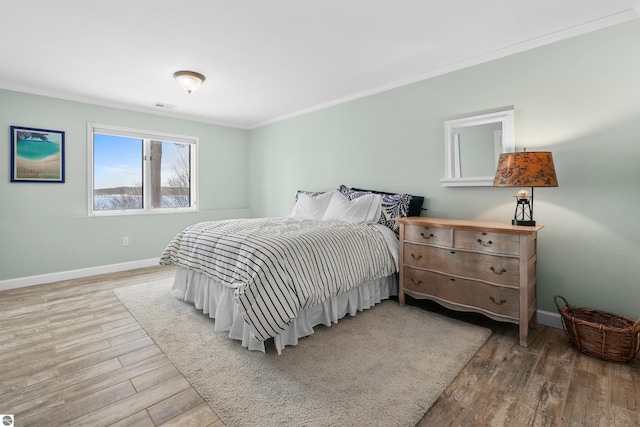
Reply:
x=266 y=60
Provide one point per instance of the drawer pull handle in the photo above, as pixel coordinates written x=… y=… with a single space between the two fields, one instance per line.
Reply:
x=416 y=283
x=427 y=237
x=416 y=257
x=483 y=243
x=504 y=270
x=502 y=301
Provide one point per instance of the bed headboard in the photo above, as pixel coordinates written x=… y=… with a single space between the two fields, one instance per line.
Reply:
x=415 y=205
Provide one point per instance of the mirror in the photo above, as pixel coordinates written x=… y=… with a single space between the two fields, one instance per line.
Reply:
x=473 y=145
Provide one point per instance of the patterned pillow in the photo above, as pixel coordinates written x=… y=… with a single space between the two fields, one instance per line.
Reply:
x=351 y=193
x=415 y=205
x=393 y=205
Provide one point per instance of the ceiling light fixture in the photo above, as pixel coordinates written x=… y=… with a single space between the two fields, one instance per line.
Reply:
x=189 y=80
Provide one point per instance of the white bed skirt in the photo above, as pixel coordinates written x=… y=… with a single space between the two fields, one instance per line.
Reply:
x=218 y=302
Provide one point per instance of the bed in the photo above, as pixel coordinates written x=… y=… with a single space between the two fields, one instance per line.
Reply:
x=277 y=278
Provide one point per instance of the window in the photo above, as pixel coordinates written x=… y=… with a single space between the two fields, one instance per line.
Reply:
x=135 y=171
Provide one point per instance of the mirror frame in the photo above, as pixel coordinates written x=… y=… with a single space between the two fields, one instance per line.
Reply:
x=452 y=176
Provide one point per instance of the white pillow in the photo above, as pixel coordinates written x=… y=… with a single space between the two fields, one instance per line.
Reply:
x=362 y=209
x=376 y=208
x=311 y=207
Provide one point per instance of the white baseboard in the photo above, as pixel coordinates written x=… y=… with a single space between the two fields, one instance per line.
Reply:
x=22 y=282
x=550 y=319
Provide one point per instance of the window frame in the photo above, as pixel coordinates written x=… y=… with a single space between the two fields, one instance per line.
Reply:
x=145 y=135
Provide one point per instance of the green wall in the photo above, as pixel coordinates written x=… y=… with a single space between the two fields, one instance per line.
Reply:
x=44 y=228
x=579 y=98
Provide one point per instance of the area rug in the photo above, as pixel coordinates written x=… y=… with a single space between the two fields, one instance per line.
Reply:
x=384 y=367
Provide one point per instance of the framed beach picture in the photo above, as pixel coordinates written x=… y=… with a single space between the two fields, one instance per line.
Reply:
x=37 y=155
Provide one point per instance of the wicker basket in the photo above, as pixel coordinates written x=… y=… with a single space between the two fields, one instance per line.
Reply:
x=600 y=334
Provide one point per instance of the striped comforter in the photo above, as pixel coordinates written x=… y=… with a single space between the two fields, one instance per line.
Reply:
x=280 y=266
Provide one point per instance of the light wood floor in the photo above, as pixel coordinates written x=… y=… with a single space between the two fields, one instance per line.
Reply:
x=72 y=355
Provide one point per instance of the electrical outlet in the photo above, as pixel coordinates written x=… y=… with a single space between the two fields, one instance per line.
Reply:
x=125 y=241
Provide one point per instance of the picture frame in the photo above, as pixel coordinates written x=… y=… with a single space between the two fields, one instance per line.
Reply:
x=37 y=155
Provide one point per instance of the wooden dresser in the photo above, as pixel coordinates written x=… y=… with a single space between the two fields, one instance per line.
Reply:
x=479 y=266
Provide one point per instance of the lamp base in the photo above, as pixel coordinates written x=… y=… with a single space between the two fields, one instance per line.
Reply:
x=528 y=223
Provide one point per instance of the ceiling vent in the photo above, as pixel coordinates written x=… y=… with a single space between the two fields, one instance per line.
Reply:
x=165 y=106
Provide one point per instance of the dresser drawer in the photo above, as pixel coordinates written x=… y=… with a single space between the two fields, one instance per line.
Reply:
x=494 y=299
x=430 y=235
x=492 y=268
x=500 y=243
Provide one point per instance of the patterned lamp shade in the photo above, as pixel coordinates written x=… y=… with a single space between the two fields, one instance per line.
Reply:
x=526 y=169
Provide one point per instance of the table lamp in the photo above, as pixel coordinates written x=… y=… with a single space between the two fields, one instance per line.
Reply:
x=525 y=169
